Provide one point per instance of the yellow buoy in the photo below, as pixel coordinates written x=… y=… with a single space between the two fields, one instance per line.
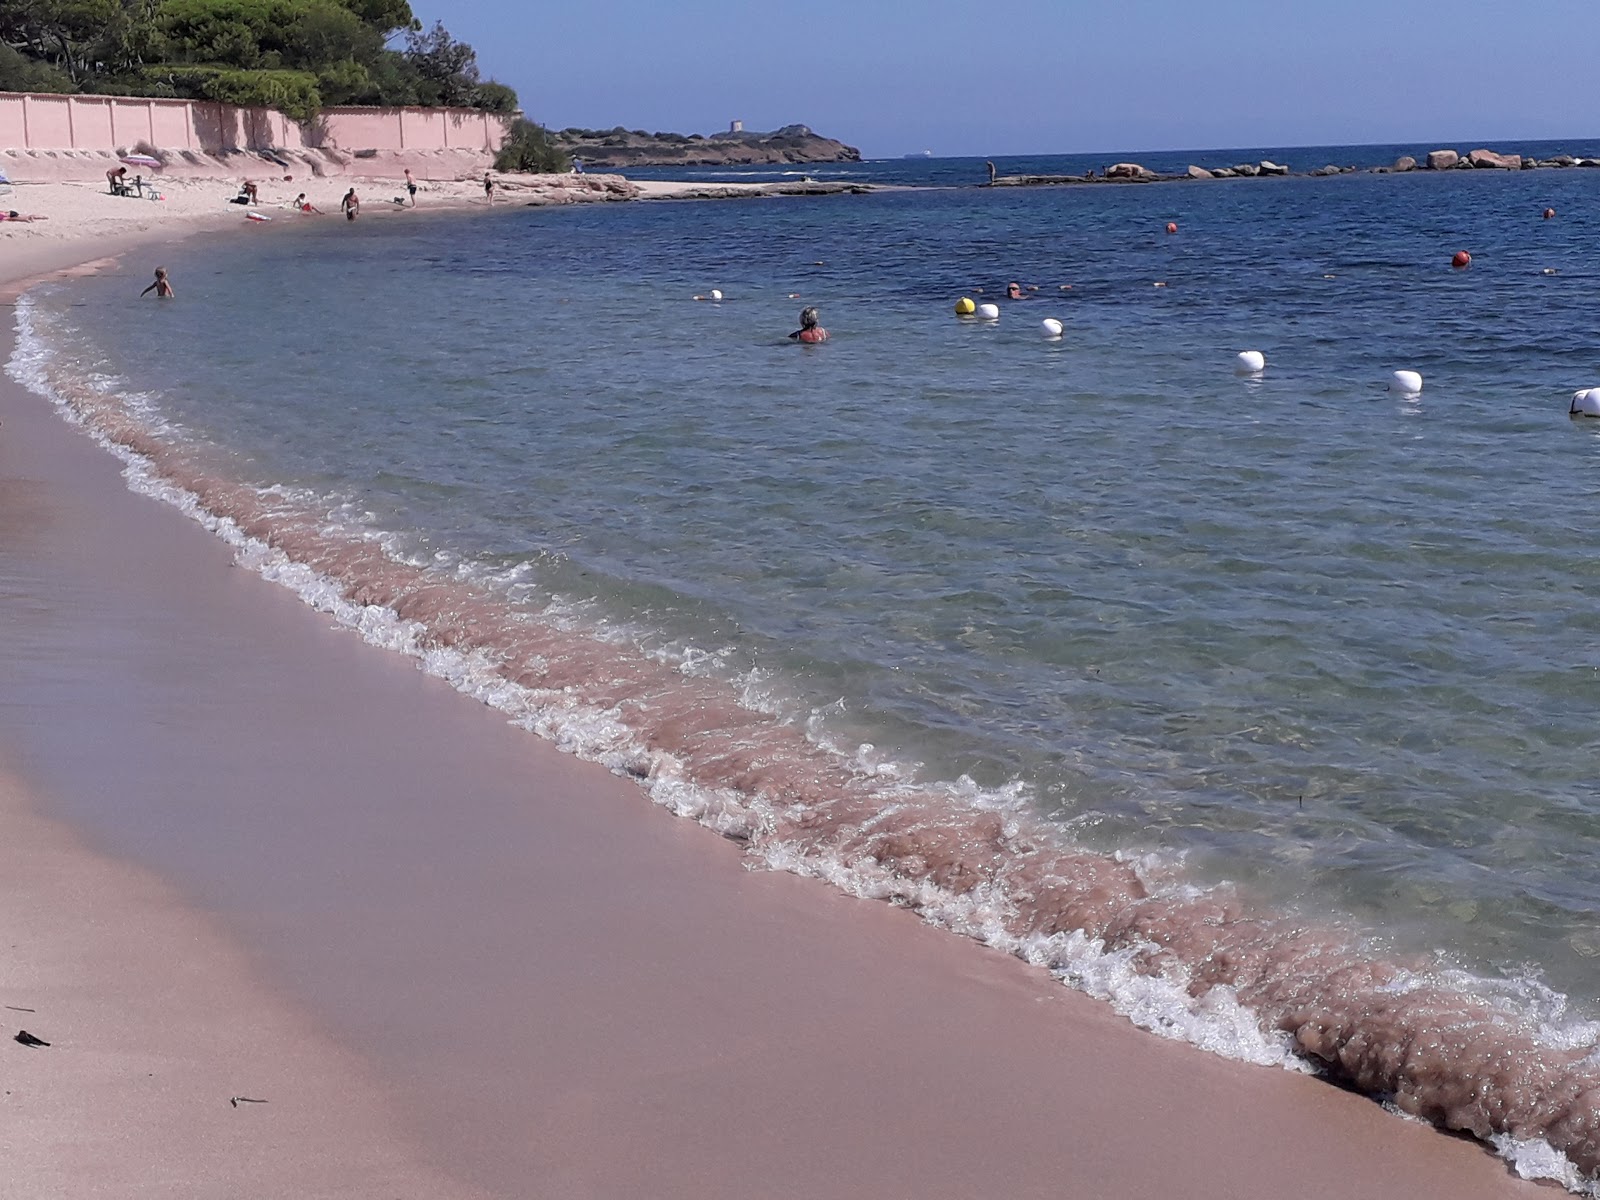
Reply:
x=965 y=307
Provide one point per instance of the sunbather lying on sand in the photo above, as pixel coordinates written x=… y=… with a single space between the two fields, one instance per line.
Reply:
x=16 y=216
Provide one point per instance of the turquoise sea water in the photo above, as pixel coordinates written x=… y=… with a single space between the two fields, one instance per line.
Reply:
x=1293 y=630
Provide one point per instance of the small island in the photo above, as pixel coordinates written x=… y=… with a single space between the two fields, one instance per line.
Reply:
x=621 y=148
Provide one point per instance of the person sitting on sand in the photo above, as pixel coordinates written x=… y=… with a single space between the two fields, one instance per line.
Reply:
x=350 y=205
x=117 y=177
x=161 y=287
x=301 y=204
x=247 y=189
x=1014 y=292
x=14 y=215
x=809 y=332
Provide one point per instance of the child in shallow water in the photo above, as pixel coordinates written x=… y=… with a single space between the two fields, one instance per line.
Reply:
x=161 y=287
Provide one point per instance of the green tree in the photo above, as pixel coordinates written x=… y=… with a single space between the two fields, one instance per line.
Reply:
x=528 y=147
x=448 y=68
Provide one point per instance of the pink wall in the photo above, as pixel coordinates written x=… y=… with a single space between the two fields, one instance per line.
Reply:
x=35 y=121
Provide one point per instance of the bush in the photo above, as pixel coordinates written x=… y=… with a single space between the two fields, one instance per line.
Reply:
x=293 y=93
x=494 y=97
x=528 y=148
x=19 y=74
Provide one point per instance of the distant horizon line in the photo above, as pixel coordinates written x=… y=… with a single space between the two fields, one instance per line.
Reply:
x=1441 y=144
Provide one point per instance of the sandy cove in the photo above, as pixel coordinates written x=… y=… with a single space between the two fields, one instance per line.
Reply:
x=251 y=854
x=73 y=211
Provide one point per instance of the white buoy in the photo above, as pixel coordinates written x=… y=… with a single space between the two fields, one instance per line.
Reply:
x=1407 y=382
x=1051 y=327
x=716 y=294
x=1251 y=361
x=1585 y=403
x=989 y=312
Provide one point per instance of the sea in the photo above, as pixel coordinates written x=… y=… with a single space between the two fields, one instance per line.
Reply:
x=1260 y=705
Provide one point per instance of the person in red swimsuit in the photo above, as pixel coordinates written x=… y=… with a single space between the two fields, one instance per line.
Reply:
x=809 y=332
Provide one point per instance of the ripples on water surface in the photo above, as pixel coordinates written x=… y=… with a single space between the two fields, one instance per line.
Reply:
x=1333 y=643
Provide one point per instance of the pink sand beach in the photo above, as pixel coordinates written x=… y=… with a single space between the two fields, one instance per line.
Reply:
x=250 y=856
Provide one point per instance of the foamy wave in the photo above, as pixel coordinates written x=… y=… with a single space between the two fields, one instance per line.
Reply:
x=1501 y=1059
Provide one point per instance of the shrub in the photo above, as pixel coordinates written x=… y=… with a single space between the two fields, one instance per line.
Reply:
x=494 y=97
x=19 y=74
x=293 y=93
x=528 y=148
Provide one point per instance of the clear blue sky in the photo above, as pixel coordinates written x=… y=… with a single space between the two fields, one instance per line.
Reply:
x=1031 y=76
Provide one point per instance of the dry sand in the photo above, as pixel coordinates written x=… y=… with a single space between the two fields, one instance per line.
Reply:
x=444 y=951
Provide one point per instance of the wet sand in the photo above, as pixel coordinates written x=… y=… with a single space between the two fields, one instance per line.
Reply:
x=549 y=986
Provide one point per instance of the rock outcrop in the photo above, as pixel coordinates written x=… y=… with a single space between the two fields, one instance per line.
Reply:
x=1128 y=170
x=1268 y=167
x=1489 y=159
x=1442 y=160
x=1200 y=173
x=1404 y=163
x=621 y=148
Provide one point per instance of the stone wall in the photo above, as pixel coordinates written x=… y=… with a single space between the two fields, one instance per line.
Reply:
x=39 y=121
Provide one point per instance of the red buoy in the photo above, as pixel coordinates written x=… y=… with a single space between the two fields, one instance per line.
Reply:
x=1548 y=213
x=1462 y=259
x=1172 y=227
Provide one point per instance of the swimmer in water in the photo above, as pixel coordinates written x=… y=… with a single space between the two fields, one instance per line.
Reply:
x=809 y=332
x=1014 y=292
x=161 y=287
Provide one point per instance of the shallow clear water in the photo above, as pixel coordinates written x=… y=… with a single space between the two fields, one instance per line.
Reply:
x=1324 y=638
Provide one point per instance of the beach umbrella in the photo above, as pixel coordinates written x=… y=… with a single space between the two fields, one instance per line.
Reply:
x=142 y=160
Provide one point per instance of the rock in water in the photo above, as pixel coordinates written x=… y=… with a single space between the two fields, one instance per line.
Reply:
x=1442 y=160
x=1488 y=158
x=1405 y=163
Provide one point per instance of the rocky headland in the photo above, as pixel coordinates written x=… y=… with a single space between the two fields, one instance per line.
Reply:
x=612 y=149
x=1434 y=160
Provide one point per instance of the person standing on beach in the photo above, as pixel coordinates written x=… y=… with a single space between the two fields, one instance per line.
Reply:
x=411 y=187
x=990 y=165
x=809 y=332
x=350 y=205
x=161 y=287
x=117 y=177
x=488 y=188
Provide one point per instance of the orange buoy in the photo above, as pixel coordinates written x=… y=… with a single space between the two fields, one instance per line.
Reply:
x=1548 y=213
x=1172 y=227
x=1462 y=259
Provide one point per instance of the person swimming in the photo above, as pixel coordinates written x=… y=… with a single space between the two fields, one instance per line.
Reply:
x=162 y=287
x=809 y=332
x=1014 y=292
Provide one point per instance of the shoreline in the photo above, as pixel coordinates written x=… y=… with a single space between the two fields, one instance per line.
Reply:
x=738 y=963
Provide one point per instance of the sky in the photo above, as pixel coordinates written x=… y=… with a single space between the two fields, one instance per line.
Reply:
x=1041 y=77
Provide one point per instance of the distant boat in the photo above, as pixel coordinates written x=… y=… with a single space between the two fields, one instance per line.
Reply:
x=923 y=154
